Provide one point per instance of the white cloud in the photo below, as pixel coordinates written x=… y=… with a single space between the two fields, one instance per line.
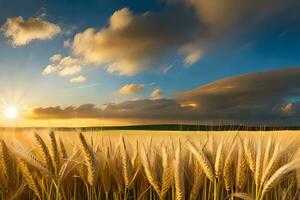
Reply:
x=67 y=43
x=55 y=58
x=156 y=94
x=21 y=32
x=63 y=66
x=78 y=79
x=69 y=70
x=49 y=69
x=130 y=89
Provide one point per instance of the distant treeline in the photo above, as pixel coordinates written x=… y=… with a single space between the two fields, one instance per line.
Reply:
x=178 y=127
x=174 y=127
x=169 y=127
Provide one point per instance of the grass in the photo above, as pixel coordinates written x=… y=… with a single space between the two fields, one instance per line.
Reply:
x=149 y=165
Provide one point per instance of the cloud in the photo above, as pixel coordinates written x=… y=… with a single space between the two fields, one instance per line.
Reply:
x=21 y=32
x=63 y=66
x=156 y=94
x=264 y=97
x=55 y=58
x=133 y=43
x=167 y=67
x=287 y=109
x=193 y=57
x=69 y=70
x=67 y=43
x=78 y=79
x=130 y=89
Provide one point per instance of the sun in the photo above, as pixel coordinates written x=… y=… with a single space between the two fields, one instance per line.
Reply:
x=10 y=112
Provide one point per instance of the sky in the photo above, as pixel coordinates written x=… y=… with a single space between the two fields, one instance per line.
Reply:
x=121 y=62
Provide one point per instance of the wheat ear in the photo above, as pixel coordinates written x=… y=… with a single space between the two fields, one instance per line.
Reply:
x=90 y=160
x=46 y=158
x=219 y=161
x=63 y=149
x=126 y=164
x=152 y=178
x=241 y=167
x=250 y=157
x=30 y=179
x=54 y=150
x=279 y=174
x=7 y=164
x=203 y=161
x=227 y=172
x=258 y=163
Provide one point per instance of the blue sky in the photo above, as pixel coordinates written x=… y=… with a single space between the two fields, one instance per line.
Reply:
x=259 y=36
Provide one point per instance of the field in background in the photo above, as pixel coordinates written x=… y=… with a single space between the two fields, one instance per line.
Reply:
x=130 y=164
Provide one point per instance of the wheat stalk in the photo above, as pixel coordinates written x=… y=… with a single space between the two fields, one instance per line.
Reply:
x=167 y=173
x=198 y=176
x=298 y=178
x=178 y=176
x=116 y=168
x=267 y=153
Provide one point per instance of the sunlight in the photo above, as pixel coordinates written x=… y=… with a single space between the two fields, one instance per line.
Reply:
x=10 y=112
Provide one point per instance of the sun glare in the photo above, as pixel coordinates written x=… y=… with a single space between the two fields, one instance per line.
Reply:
x=10 y=112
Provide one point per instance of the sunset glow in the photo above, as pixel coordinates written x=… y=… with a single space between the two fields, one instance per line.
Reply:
x=10 y=113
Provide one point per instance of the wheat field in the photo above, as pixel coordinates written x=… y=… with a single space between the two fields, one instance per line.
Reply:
x=149 y=165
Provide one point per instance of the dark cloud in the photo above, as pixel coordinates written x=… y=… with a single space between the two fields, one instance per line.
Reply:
x=261 y=97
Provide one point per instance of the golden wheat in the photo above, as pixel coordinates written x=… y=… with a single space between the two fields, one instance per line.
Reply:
x=45 y=155
x=90 y=161
x=261 y=168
